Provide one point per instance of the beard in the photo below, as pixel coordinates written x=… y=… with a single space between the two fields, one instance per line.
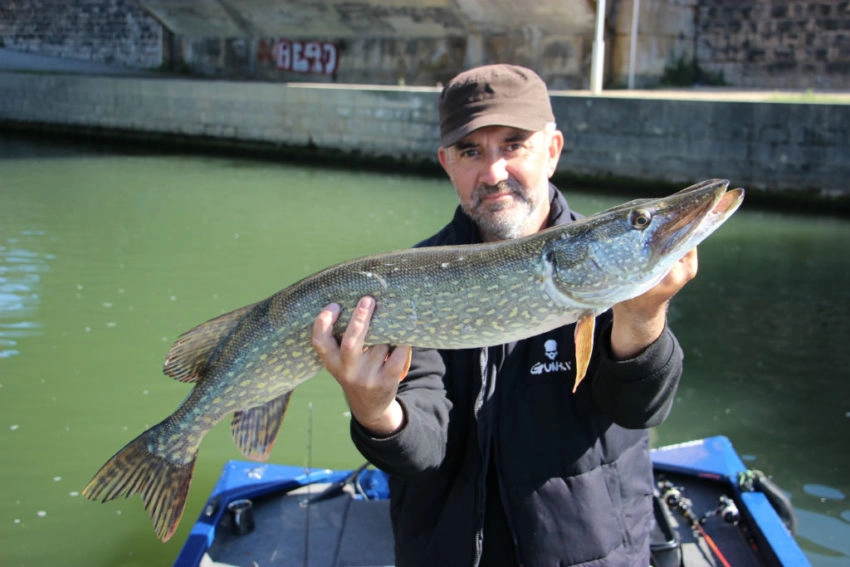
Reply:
x=501 y=220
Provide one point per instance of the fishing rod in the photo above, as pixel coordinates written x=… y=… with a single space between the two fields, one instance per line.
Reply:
x=338 y=487
x=672 y=495
x=331 y=491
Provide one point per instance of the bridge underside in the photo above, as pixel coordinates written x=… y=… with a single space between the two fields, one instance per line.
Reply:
x=370 y=18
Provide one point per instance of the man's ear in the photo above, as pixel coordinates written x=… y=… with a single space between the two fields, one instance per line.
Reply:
x=441 y=155
x=556 y=145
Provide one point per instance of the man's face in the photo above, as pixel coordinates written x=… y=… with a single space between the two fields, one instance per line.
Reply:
x=501 y=176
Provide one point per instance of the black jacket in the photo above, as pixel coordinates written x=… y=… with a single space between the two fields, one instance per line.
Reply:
x=572 y=470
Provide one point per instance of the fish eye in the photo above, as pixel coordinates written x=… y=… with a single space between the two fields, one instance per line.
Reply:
x=640 y=218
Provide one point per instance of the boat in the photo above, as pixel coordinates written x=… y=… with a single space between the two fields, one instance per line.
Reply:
x=710 y=510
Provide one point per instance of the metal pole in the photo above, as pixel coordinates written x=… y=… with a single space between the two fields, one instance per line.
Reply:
x=633 y=42
x=597 y=61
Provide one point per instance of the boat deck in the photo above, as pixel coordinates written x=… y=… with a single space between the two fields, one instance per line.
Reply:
x=293 y=532
x=327 y=518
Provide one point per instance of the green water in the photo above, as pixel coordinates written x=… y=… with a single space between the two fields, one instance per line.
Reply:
x=106 y=258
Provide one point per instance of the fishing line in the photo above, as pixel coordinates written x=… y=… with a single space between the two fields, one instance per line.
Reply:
x=307 y=472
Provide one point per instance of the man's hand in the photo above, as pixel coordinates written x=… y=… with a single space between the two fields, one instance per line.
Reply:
x=369 y=376
x=640 y=321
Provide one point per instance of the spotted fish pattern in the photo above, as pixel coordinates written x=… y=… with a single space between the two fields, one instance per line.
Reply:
x=247 y=362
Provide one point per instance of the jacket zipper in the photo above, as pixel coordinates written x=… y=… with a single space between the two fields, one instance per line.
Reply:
x=484 y=455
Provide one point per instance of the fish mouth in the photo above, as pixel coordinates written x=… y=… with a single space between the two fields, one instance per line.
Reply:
x=686 y=218
x=728 y=203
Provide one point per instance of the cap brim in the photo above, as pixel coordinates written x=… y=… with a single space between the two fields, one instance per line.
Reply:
x=532 y=124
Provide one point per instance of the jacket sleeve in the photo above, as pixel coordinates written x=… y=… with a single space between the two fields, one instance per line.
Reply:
x=638 y=392
x=420 y=444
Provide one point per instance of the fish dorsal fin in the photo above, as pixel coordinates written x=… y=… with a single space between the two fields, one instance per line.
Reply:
x=254 y=430
x=191 y=352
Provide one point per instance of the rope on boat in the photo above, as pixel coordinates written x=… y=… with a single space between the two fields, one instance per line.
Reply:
x=757 y=481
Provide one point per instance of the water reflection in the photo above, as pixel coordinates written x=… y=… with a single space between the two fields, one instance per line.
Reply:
x=21 y=271
x=822 y=538
x=823 y=492
x=822 y=534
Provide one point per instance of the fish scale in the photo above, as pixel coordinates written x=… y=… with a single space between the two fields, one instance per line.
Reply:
x=247 y=362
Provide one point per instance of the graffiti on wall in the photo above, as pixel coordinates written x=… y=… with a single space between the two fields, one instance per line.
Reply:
x=310 y=57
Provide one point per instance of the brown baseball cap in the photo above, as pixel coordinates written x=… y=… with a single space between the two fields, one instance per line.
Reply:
x=493 y=95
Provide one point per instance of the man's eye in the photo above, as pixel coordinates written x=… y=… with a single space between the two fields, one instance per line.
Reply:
x=468 y=153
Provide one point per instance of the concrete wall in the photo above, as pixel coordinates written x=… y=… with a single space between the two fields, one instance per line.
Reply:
x=798 y=148
x=368 y=122
x=666 y=33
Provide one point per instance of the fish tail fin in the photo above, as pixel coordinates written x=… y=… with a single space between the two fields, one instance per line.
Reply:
x=163 y=485
x=255 y=430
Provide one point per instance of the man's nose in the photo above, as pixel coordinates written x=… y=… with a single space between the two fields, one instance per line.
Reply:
x=495 y=168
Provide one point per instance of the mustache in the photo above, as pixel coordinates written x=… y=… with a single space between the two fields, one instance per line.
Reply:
x=507 y=186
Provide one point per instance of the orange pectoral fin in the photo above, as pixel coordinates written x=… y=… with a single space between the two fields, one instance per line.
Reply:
x=584 y=346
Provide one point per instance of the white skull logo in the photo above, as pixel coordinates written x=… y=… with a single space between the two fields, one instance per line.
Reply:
x=551 y=348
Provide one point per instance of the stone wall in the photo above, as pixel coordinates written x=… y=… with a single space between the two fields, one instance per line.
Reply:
x=792 y=148
x=776 y=43
x=768 y=44
x=106 y=31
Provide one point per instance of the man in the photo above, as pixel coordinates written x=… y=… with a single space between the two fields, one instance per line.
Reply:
x=493 y=460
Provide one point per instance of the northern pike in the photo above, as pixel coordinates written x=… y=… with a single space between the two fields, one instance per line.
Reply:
x=247 y=362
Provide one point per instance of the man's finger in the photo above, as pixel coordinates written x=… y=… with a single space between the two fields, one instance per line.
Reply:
x=358 y=326
x=398 y=362
x=322 y=337
x=691 y=264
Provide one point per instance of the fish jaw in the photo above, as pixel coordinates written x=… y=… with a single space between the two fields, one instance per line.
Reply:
x=724 y=207
x=688 y=217
x=619 y=254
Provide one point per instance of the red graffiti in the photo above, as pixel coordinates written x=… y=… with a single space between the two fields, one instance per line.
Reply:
x=314 y=57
